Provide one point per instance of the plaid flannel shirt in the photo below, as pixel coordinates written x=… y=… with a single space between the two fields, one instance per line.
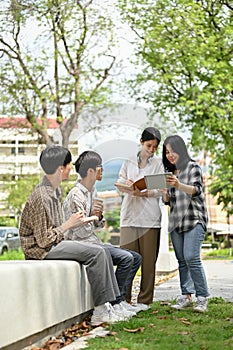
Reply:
x=188 y=210
x=41 y=220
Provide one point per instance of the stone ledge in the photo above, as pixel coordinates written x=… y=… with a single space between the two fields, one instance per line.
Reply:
x=38 y=295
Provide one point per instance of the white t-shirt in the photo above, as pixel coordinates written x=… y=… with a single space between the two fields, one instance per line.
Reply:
x=140 y=211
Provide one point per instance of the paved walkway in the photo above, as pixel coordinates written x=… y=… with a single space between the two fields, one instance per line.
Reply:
x=219 y=275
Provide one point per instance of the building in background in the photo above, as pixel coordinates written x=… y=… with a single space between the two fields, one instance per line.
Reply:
x=20 y=151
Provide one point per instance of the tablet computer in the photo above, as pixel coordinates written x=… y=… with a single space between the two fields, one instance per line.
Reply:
x=156 y=181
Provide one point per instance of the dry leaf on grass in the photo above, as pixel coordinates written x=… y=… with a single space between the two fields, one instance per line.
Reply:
x=113 y=333
x=183 y=333
x=183 y=320
x=135 y=330
x=186 y=322
x=155 y=312
x=163 y=317
x=152 y=325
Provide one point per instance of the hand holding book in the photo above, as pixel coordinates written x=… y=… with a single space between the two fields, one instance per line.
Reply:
x=131 y=186
x=149 y=182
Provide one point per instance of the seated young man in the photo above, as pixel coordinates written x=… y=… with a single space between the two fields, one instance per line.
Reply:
x=82 y=198
x=42 y=234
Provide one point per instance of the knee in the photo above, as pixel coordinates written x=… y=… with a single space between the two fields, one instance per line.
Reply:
x=137 y=258
x=100 y=251
x=128 y=258
x=191 y=259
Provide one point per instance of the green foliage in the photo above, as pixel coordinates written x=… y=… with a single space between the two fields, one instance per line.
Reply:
x=184 y=50
x=19 y=191
x=113 y=219
x=13 y=255
x=66 y=186
x=163 y=328
x=103 y=235
x=220 y=253
x=6 y=221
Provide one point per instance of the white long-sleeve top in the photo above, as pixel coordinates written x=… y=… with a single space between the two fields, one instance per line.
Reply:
x=140 y=211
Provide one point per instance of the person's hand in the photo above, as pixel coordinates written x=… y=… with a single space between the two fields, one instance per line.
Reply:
x=139 y=193
x=129 y=182
x=172 y=181
x=75 y=220
x=165 y=194
x=97 y=208
x=163 y=191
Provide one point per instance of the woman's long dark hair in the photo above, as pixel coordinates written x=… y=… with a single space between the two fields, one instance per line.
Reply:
x=177 y=144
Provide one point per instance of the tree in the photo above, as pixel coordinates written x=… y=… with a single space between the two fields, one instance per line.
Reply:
x=66 y=68
x=18 y=192
x=185 y=49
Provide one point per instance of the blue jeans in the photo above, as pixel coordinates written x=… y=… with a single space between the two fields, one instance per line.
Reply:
x=128 y=263
x=187 y=246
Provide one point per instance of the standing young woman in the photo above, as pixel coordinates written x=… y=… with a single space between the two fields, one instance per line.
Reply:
x=187 y=222
x=141 y=215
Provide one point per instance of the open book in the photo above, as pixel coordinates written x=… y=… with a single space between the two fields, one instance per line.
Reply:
x=140 y=184
x=149 y=182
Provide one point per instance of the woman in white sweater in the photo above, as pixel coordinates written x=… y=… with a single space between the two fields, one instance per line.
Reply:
x=140 y=213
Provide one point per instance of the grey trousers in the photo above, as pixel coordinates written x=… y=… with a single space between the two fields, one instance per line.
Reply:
x=99 y=266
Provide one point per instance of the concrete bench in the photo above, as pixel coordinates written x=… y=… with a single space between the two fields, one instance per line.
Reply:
x=39 y=298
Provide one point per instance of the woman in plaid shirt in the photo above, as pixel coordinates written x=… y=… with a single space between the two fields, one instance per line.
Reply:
x=187 y=221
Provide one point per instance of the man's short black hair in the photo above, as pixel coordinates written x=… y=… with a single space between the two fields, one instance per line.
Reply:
x=87 y=160
x=54 y=156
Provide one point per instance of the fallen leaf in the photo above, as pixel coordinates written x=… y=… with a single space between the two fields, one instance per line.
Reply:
x=152 y=325
x=113 y=333
x=155 y=312
x=139 y=329
x=54 y=345
x=183 y=333
x=84 y=324
x=85 y=333
x=163 y=317
x=180 y=318
x=186 y=322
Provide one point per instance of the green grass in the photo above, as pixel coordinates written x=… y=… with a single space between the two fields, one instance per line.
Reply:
x=226 y=254
x=163 y=328
x=13 y=255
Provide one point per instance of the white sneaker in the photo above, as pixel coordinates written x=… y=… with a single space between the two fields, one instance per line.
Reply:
x=129 y=307
x=202 y=303
x=119 y=314
x=104 y=316
x=142 y=307
x=119 y=310
x=182 y=302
